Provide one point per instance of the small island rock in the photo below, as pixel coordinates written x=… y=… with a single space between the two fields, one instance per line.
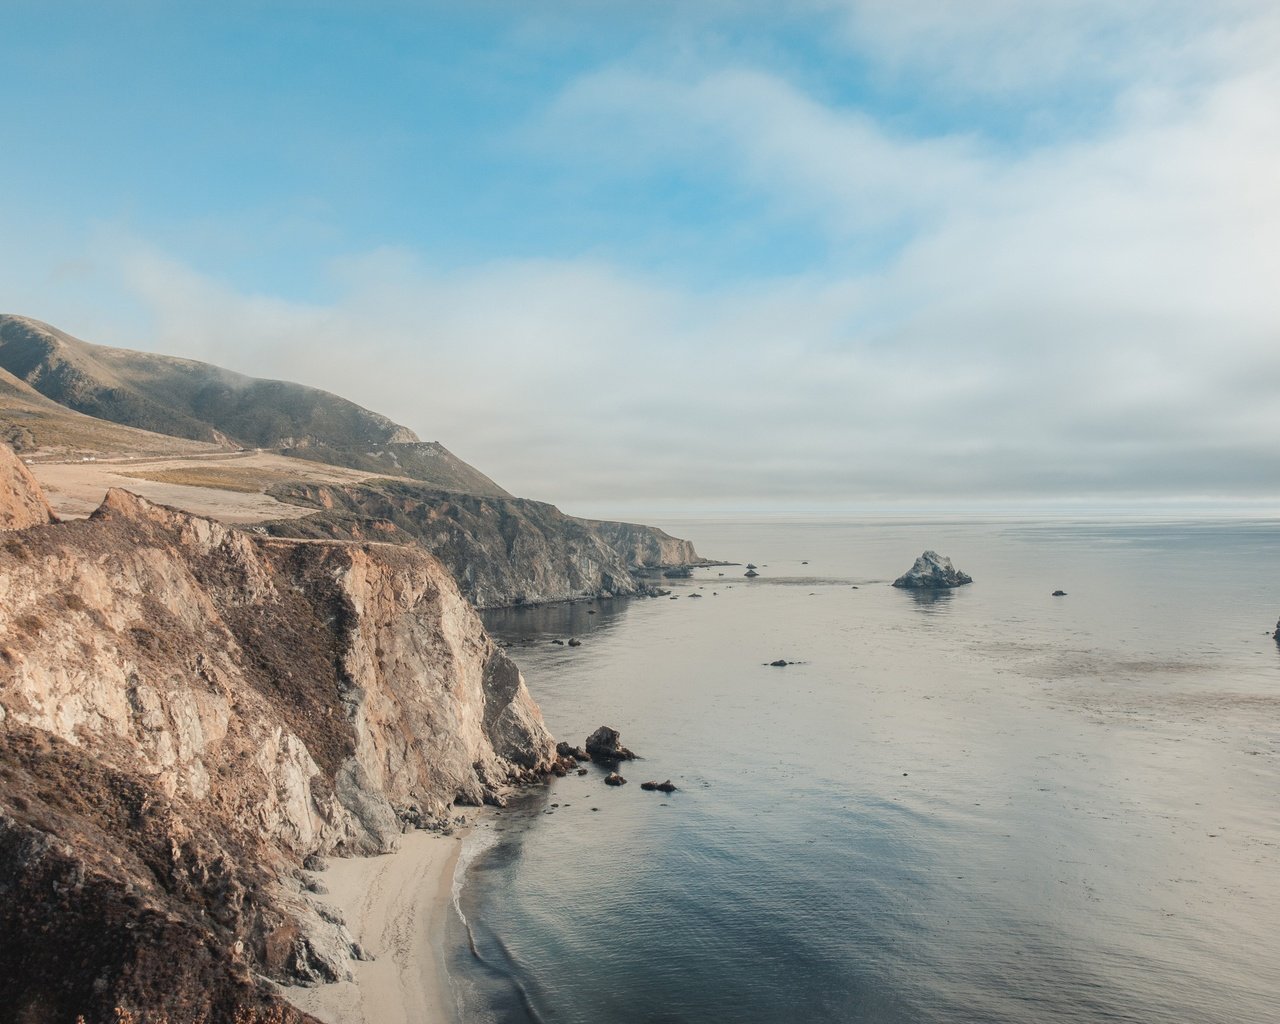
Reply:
x=662 y=787
x=932 y=571
x=614 y=779
x=603 y=745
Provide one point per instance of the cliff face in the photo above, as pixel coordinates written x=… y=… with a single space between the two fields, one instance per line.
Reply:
x=186 y=711
x=21 y=502
x=502 y=551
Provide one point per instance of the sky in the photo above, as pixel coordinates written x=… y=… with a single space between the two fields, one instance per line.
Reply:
x=729 y=254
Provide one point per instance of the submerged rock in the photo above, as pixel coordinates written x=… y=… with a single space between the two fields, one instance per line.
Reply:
x=780 y=663
x=603 y=745
x=662 y=787
x=1059 y=593
x=932 y=571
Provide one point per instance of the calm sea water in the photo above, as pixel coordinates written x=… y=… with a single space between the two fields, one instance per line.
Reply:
x=991 y=805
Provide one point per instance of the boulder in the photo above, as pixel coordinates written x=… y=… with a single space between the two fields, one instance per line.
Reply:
x=603 y=745
x=1059 y=593
x=780 y=663
x=575 y=642
x=932 y=571
x=614 y=779
x=662 y=787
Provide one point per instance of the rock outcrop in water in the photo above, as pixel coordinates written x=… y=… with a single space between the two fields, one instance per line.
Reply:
x=605 y=745
x=187 y=712
x=932 y=572
x=502 y=551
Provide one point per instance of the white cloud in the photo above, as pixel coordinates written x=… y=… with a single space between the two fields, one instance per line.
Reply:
x=1093 y=316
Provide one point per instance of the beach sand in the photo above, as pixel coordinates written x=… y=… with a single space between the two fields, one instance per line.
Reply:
x=396 y=907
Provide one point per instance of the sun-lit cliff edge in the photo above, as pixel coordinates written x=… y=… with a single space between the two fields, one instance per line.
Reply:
x=187 y=712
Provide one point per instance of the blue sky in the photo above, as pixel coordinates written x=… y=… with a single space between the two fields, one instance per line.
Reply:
x=822 y=253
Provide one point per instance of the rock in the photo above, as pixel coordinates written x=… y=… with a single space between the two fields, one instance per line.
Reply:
x=603 y=745
x=559 y=643
x=1276 y=634
x=750 y=574
x=314 y=862
x=614 y=779
x=1059 y=593
x=751 y=565
x=582 y=771
x=780 y=663
x=681 y=572
x=22 y=502
x=695 y=595
x=575 y=642
x=563 y=749
x=932 y=572
x=663 y=787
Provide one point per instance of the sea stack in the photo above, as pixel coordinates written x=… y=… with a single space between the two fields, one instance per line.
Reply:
x=932 y=571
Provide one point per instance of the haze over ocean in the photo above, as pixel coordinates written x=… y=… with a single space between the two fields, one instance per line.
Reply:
x=982 y=805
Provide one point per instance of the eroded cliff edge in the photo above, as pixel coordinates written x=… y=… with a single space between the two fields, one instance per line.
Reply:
x=186 y=712
x=502 y=551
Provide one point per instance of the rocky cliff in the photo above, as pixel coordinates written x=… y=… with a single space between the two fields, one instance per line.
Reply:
x=186 y=712
x=502 y=551
x=21 y=502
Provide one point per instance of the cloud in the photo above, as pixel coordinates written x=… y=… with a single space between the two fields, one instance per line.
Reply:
x=1090 y=316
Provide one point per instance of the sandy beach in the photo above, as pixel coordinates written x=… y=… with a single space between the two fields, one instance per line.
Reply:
x=395 y=906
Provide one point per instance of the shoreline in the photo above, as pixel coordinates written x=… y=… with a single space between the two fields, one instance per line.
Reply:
x=396 y=906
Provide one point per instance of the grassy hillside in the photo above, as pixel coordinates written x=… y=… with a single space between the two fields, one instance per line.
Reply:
x=182 y=397
x=63 y=397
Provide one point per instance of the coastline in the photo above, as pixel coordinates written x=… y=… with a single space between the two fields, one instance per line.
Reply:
x=396 y=906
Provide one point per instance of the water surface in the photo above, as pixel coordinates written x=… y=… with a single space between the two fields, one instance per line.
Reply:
x=987 y=805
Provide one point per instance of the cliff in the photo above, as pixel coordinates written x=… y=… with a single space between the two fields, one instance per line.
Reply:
x=502 y=551
x=186 y=712
x=22 y=503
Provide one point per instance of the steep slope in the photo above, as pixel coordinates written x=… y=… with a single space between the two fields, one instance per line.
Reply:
x=502 y=551
x=186 y=711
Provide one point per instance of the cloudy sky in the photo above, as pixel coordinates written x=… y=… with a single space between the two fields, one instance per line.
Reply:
x=752 y=254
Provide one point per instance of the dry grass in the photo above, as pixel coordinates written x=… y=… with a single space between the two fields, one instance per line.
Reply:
x=218 y=478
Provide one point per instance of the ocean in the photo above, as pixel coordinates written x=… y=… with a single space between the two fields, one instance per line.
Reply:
x=984 y=805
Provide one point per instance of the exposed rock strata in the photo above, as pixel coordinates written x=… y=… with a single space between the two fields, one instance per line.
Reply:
x=502 y=551
x=932 y=572
x=187 y=712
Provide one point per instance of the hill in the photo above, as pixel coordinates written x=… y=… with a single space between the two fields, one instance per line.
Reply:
x=195 y=401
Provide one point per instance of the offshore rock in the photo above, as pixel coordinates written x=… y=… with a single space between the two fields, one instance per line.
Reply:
x=932 y=572
x=614 y=779
x=603 y=745
x=187 y=712
x=661 y=787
